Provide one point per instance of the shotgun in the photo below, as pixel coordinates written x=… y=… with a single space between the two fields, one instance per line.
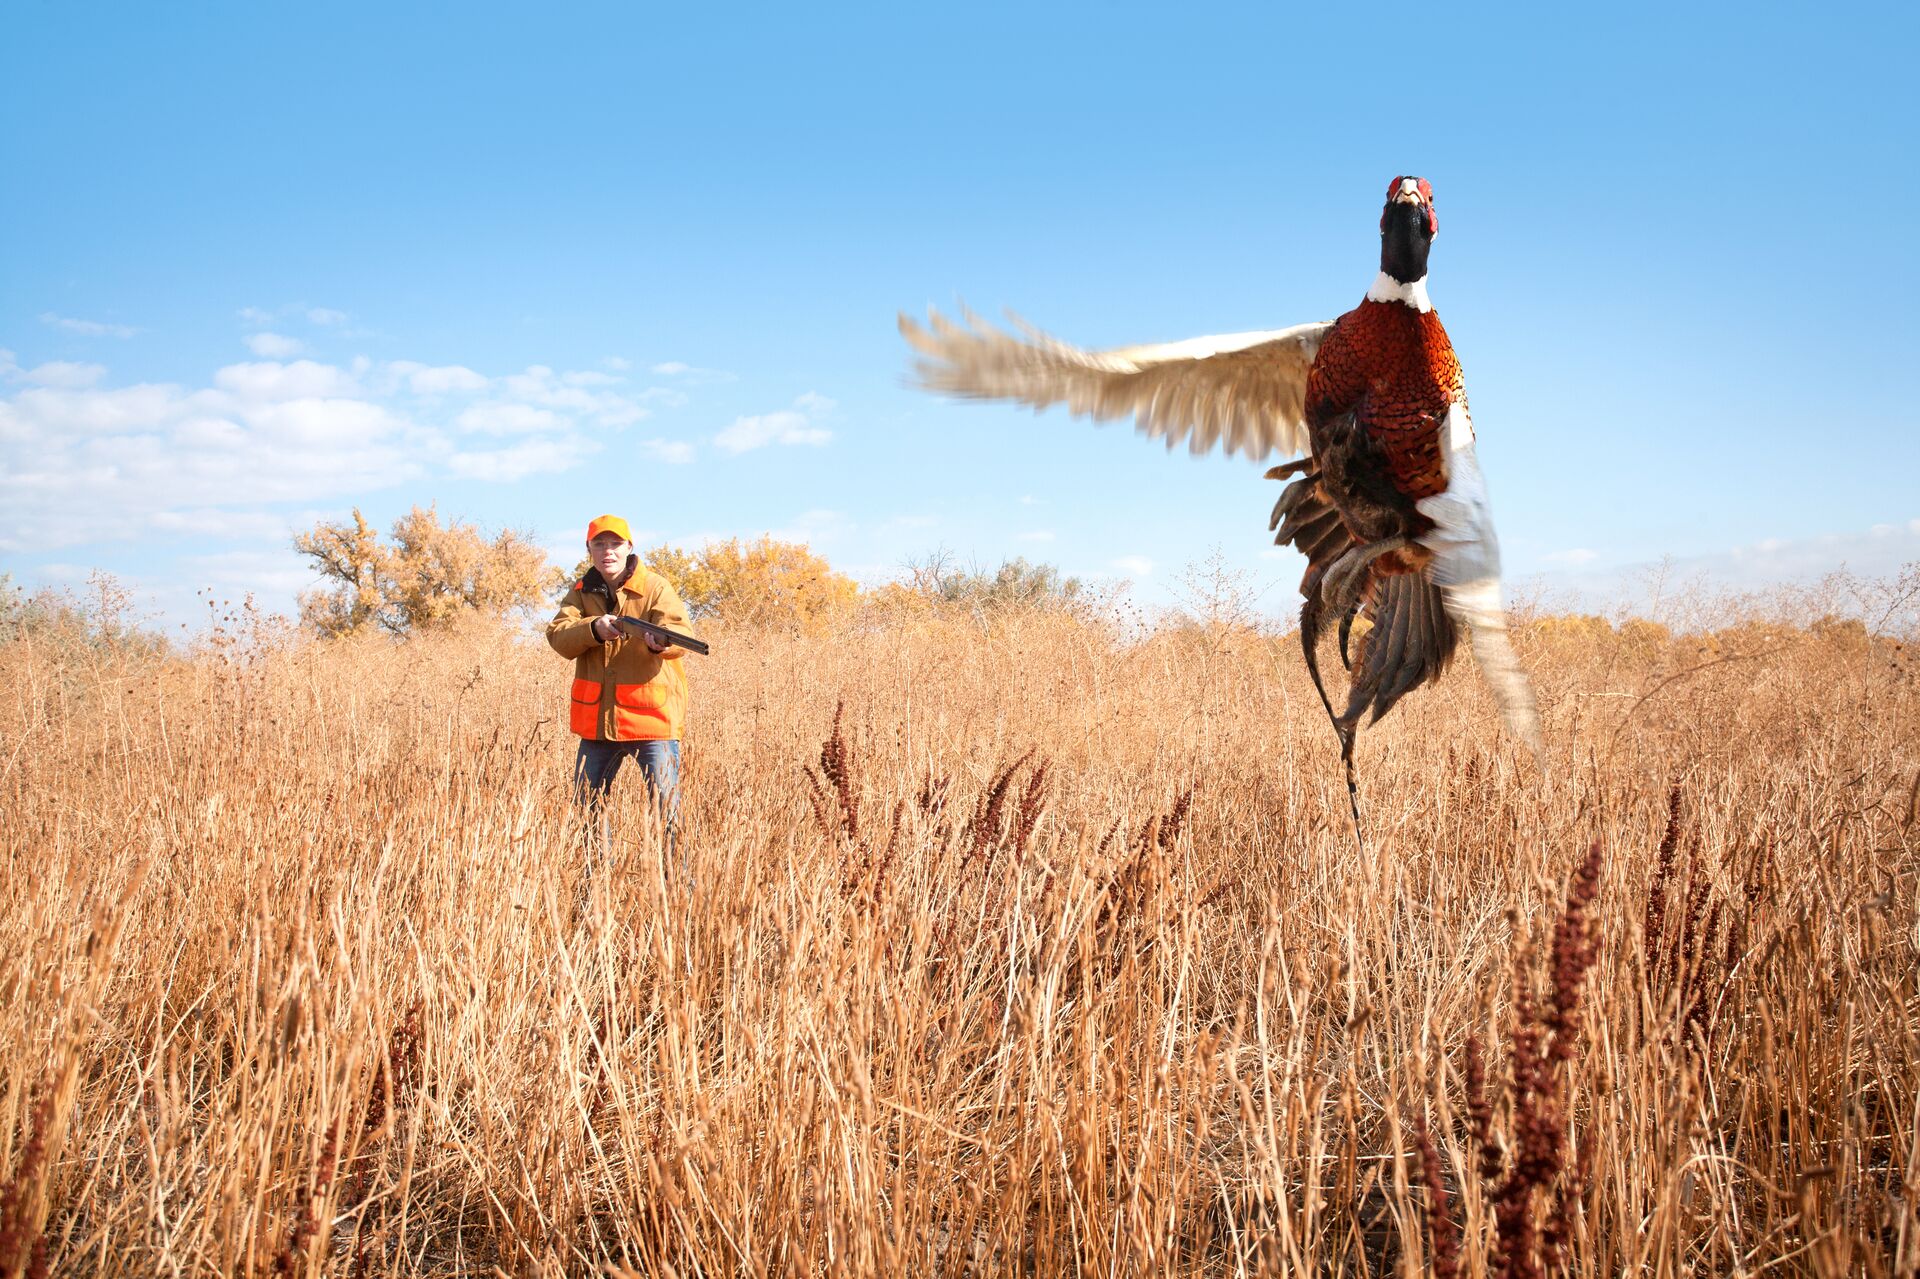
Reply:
x=634 y=626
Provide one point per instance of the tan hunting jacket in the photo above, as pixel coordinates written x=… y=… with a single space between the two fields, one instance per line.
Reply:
x=622 y=690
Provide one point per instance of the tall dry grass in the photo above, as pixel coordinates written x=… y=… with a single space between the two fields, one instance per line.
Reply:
x=1029 y=946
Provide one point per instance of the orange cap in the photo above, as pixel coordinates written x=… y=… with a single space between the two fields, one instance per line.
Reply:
x=609 y=524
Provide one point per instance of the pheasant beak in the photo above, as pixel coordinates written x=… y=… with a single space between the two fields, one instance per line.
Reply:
x=1416 y=192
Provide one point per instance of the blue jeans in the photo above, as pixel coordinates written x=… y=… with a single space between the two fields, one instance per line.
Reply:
x=593 y=771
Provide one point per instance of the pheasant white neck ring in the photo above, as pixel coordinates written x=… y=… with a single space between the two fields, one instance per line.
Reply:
x=1387 y=289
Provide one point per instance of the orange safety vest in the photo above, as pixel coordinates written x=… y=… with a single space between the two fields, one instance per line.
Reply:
x=622 y=690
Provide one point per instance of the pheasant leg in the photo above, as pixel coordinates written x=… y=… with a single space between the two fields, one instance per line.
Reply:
x=1341 y=584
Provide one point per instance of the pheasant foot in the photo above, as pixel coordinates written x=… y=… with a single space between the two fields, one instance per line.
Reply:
x=1341 y=585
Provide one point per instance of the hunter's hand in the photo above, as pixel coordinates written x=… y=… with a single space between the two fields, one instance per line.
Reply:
x=605 y=629
x=655 y=645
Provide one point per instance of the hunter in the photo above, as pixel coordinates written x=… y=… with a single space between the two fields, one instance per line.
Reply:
x=629 y=692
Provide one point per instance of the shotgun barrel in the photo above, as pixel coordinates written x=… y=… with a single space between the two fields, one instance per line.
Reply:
x=635 y=626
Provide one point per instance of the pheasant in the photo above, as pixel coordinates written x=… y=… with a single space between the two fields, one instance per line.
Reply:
x=1388 y=504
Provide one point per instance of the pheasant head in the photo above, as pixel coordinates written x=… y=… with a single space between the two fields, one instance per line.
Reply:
x=1407 y=226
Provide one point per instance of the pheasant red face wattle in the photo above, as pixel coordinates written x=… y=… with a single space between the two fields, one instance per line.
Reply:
x=1415 y=191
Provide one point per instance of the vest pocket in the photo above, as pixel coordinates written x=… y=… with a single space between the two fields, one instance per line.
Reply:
x=583 y=716
x=640 y=712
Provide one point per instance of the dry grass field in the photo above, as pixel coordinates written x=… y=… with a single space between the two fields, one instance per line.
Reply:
x=1029 y=944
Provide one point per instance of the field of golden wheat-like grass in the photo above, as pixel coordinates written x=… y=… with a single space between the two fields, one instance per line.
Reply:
x=1025 y=944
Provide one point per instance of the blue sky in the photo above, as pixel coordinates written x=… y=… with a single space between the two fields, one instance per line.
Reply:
x=265 y=263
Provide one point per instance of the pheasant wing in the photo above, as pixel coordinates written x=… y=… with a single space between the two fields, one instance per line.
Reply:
x=1246 y=391
x=1466 y=567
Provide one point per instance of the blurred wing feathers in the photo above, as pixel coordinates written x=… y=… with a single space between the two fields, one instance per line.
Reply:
x=1243 y=391
x=1466 y=568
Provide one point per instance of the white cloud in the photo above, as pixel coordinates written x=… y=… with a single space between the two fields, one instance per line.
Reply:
x=619 y=413
x=88 y=412
x=324 y=423
x=1037 y=535
x=211 y=521
x=533 y=457
x=209 y=433
x=539 y=385
x=674 y=452
x=1136 y=565
x=815 y=526
x=497 y=418
x=1879 y=551
x=277 y=572
x=784 y=427
x=63 y=573
x=619 y=364
x=89 y=328
x=273 y=381
x=688 y=373
x=162 y=456
x=444 y=379
x=274 y=346
x=1028 y=499
x=788 y=426
x=218 y=459
x=812 y=526
x=65 y=373
x=261 y=317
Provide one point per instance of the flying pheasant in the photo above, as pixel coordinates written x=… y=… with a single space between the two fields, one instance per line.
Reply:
x=1388 y=505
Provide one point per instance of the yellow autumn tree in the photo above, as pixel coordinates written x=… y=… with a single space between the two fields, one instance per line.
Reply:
x=757 y=582
x=348 y=558
x=428 y=575
x=437 y=572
